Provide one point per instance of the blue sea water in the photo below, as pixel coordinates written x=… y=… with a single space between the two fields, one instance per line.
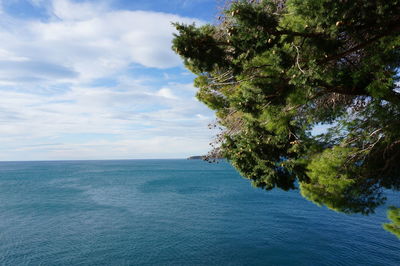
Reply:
x=172 y=212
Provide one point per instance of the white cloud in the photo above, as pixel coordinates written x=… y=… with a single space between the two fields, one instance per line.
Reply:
x=50 y=110
x=67 y=10
x=91 y=40
x=31 y=120
x=167 y=93
x=10 y=56
x=108 y=41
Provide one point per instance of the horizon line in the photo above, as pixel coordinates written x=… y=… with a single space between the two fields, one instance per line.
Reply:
x=66 y=160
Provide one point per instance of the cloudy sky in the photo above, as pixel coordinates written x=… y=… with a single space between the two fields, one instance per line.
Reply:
x=98 y=80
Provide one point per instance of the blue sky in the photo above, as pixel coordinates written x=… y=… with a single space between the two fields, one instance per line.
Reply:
x=98 y=80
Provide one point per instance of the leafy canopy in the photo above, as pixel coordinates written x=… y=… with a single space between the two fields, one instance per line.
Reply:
x=274 y=71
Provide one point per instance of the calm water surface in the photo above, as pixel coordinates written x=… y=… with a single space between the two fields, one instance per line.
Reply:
x=172 y=212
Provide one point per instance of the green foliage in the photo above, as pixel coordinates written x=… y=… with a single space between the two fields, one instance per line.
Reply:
x=336 y=184
x=198 y=47
x=274 y=70
x=394 y=227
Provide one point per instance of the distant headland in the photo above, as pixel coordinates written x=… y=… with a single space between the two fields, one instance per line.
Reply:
x=198 y=157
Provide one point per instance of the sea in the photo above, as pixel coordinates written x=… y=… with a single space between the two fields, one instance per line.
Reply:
x=173 y=212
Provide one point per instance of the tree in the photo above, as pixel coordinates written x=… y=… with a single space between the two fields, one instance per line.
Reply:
x=274 y=71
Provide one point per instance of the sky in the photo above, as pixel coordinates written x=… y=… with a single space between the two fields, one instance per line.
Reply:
x=98 y=80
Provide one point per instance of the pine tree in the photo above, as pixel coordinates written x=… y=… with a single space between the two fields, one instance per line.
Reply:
x=275 y=71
